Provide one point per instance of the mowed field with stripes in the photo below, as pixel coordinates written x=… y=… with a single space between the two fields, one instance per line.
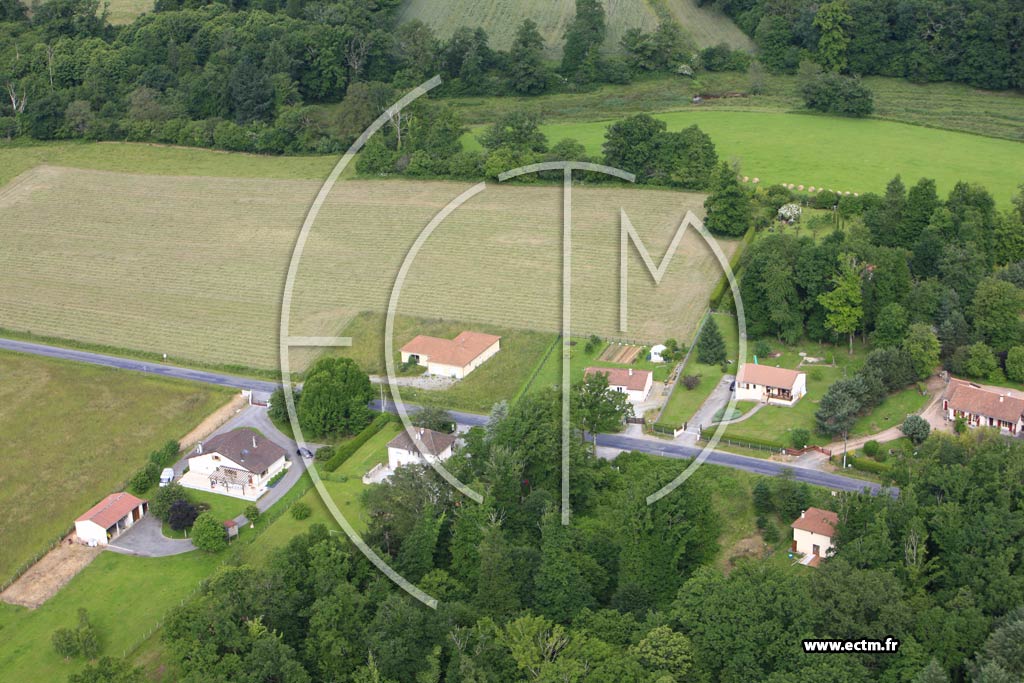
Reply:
x=195 y=267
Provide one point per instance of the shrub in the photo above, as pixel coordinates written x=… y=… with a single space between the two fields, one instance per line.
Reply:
x=691 y=381
x=825 y=199
x=164 y=499
x=867 y=465
x=762 y=349
x=960 y=425
x=208 y=533
x=144 y=479
x=182 y=515
x=593 y=342
x=833 y=93
x=88 y=638
x=1015 y=364
x=762 y=496
x=871 y=449
x=252 y=513
x=301 y=511
x=798 y=438
x=980 y=362
x=166 y=456
x=770 y=533
x=916 y=428
x=65 y=643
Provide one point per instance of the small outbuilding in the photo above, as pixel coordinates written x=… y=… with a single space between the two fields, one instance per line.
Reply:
x=636 y=384
x=657 y=352
x=767 y=384
x=813 y=532
x=110 y=518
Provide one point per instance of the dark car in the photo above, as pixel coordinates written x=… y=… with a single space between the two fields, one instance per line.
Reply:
x=732 y=387
x=305 y=452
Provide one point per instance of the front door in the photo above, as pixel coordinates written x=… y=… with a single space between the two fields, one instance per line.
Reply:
x=816 y=549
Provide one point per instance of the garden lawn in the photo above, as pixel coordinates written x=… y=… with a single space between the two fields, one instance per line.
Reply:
x=125 y=597
x=74 y=433
x=891 y=412
x=222 y=507
x=683 y=402
x=860 y=155
x=550 y=373
x=502 y=377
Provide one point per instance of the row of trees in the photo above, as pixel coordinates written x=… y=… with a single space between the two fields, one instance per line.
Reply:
x=970 y=41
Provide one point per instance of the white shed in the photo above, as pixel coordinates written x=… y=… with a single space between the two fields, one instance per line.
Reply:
x=109 y=518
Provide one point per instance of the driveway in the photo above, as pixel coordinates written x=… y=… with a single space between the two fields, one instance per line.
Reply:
x=705 y=415
x=146 y=538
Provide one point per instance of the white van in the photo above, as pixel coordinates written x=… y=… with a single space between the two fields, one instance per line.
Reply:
x=167 y=476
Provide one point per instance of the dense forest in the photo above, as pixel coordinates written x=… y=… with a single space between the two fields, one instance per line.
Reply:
x=247 y=76
x=627 y=592
x=979 y=42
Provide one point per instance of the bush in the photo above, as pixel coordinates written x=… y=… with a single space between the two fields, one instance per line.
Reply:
x=762 y=496
x=916 y=428
x=770 y=534
x=833 y=93
x=182 y=515
x=164 y=499
x=825 y=199
x=144 y=479
x=762 y=349
x=593 y=343
x=871 y=449
x=691 y=381
x=1015 y=364
x=65 y=643
x=301 y=511
x=798 y=438
x=867 y=465
x=166 y=456
x=208 y=533
x=252 y=513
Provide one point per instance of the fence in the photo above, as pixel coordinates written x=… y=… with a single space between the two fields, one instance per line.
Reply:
x=767 y=447
x=808 y=449
x=536 y=369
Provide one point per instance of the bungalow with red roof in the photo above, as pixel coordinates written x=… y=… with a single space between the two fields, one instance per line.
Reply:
x=813 y=532
x=636 y=384
x=767 y=384
x=454 y=358
x=239 y=463
x=109 y=518
x=412 y=449
x=981 y=407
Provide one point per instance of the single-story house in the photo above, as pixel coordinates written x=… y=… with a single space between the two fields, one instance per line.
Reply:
x=813 y=532
x=237 y=463
x=109 y=518
x=454 y=358
x=981 y=407
x=767 y=384
x=636 y=384
x=656 y=353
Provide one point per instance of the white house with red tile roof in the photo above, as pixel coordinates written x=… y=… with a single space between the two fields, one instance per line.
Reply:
x=984 y=407
x=451 y=357
x=636 y=384
x=109 y=518
x=767 y=384
x=813 y=532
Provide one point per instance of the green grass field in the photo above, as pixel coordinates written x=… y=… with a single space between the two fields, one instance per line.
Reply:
x=125 y=11
x=842 y=154
x=947 y=106
x=126 y=598
x=683 y=402
x=74 y=433
x=88 y=257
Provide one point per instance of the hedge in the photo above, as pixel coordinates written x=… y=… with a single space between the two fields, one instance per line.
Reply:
x=706 y=435
x=868 y=465
x=345 y=450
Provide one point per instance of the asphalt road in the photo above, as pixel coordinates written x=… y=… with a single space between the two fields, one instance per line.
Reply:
x=651 y=445
x=139 y=366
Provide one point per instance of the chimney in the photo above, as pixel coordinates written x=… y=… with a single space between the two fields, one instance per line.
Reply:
x=803 y=513
x=199 y=448
x=254 y=441
x=1000 y=398
x=422 y=431
x=631 y=372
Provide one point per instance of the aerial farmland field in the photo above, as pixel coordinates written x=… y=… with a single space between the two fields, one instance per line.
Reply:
x=72 y=433
x=194 y=267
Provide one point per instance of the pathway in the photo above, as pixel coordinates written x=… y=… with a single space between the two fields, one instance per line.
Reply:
x=147 y=539
x=705 y=415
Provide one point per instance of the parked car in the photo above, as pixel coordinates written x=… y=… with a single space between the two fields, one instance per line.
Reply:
x=167 y=476
x=305 y=453
x=732 y=387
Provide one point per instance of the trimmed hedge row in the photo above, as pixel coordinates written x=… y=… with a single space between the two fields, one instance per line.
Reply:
x=345 y=450
x=868 y=465
x=706 y=435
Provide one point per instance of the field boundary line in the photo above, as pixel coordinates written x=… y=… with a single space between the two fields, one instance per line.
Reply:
x=528 y=384
x=683 y=363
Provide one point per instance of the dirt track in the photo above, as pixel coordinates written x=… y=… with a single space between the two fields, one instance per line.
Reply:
x=47 y=576
x=213 y=421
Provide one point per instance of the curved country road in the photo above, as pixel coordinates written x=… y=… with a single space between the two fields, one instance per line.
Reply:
x=651 y=445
